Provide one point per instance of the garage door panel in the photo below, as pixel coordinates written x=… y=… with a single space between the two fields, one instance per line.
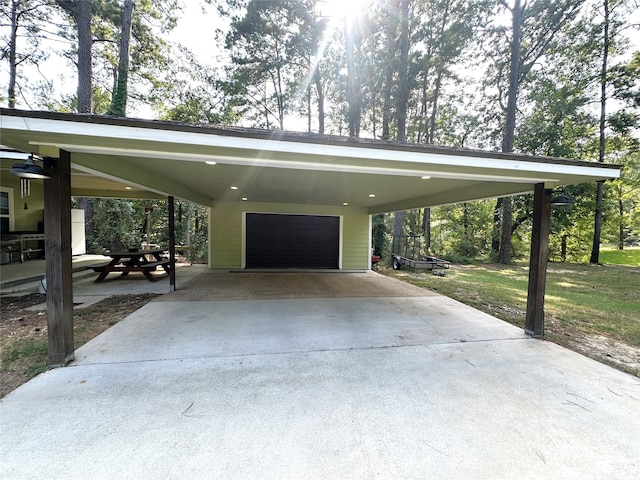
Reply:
x=292 y=241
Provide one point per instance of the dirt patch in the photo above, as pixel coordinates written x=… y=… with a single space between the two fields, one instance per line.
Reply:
x=604 y=349
x=284 y=285
x=23 y=332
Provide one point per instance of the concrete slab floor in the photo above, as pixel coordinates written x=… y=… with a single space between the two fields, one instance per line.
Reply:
x=87 y=293
x=321 y=388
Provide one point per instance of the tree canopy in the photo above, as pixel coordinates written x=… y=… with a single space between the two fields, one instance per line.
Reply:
x=545 y=77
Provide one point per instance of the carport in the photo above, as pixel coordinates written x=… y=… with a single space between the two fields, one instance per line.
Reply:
x=243 y=174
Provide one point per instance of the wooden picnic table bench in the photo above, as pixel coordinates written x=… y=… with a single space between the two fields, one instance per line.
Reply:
x=135 y=261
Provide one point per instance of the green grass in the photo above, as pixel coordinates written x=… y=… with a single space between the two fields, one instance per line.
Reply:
x=628 y=256
x=34 y=349
x=590 y=299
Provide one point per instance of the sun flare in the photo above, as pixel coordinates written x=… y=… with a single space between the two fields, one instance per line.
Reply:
x=344 y=9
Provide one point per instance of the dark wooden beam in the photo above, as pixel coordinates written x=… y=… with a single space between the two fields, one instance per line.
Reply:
x=58 y=270
x=534 y=323
x=172 y=244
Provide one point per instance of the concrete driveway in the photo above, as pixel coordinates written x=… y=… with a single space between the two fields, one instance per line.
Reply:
x=320 y=376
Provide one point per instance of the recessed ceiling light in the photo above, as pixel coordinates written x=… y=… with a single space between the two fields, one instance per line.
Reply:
x=210 y=162
x=345 y=203
x=244 y=199
x=127 y=188
x=372 y=195
x=425 y=177
x=234 y=188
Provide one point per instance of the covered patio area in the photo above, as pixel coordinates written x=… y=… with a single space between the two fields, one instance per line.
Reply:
x=320 y=376
x=265 y=189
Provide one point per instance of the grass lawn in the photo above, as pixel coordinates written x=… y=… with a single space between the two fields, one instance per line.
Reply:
x=598 y=302
x=628 y=256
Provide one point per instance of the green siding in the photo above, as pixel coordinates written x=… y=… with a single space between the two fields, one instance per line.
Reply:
x=225 y=245
x=26 y=220
x=226 y=242
x=356 y=249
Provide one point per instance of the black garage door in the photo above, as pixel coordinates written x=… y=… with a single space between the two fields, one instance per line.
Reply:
x=292 y=241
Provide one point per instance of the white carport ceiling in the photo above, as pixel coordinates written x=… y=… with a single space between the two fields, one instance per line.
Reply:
x=167 y=158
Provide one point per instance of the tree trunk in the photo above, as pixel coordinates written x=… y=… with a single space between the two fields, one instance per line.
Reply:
x=280 y=95
x=495 y=236
x=621 y=226
x=597 y=223
x=119 y=99
x=386 y=103
x=187 y=236
x=438 y=83
x=504 y=255
x=309 y=108
x=353 y=90
x=398 y=222
x=83 y=22
x=514 y=74
x=403 y=74
x=13 y=67
x=423 y=131
x=426 y=228
x=389 y=69
x=434 y=108
x=320 y=93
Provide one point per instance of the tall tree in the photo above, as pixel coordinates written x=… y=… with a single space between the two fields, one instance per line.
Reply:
x=403 y=71
x=597 y=224
x=534 y=25
x=83 y=22
x=614 y=19
x=80 y=11
x=25 y=20
x=624 y=144
x=314 y=46
x=442 y=37
x=265 y=45
x=517 y=11
x=354 y=94
x=119 y=99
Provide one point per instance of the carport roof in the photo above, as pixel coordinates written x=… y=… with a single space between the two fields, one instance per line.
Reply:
x=168 y=158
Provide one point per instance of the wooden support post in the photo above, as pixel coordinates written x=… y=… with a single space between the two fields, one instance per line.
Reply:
x=534 y=323
x=172 y=244
x=58 y=270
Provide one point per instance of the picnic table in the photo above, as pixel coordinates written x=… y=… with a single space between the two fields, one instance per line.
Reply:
x=133 y=261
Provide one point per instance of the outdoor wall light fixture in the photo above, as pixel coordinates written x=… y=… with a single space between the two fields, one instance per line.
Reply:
x=29 y=169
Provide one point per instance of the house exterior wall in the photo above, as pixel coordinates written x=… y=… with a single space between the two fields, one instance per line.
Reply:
x=25 y=220
x=227 y=231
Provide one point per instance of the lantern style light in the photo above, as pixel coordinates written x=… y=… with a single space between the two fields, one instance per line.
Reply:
x=29 y=170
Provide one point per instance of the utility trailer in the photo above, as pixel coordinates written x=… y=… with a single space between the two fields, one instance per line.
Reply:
x=407 y=250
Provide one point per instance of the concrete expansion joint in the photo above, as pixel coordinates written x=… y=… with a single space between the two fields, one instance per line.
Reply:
x=296 y=352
